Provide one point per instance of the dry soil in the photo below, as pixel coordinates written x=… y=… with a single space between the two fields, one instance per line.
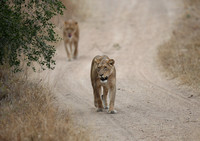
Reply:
x=149 y=106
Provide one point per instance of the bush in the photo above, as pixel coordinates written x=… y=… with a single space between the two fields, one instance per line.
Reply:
x=26 y=32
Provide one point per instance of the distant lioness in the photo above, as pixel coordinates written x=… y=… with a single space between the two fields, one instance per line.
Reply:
x=71 y=38
x=103 y=74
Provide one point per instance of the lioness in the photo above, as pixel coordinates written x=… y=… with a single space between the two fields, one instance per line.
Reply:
x=103 y=74
x=71 y=38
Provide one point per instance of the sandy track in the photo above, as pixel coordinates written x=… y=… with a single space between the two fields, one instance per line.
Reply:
x=149 y=107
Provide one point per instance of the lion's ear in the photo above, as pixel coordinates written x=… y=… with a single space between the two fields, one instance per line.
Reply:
x=111 y=62
x=97 y=59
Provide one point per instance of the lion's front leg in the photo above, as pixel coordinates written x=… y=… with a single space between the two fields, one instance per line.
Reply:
x=112 y=94
x=100 y=105
x=67 y=50
x=95 y=98
x=104 y=97
x=76 y=49
x=71 y=49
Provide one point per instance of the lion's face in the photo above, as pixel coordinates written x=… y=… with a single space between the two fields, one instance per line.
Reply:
x=104 y=69
x=70 y=28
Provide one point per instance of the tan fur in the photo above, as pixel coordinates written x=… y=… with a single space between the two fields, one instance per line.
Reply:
x=71 y=38
x=103 y=70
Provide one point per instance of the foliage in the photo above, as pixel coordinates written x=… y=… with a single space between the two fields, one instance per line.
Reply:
x=26 y=32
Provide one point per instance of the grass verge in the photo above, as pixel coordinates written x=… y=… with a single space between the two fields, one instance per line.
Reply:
x=27 y=112
x=180 y=56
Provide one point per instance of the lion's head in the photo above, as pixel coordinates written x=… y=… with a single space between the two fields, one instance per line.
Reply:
x=105 y=67
x=70 y=28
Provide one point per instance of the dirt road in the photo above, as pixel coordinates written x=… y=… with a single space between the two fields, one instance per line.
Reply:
x=149 y=107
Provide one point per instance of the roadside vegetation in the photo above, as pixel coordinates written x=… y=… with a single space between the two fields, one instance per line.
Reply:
x=28 y=112
x=180 y=56
x=27 y=108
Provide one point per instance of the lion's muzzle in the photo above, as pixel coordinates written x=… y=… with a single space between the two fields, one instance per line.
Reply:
x=103 y=79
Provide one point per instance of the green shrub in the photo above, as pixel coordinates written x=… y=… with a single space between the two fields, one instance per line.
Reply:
x=26 y=32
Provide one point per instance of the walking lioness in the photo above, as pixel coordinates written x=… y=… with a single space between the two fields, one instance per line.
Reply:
x=71 y=38
x=103 y=74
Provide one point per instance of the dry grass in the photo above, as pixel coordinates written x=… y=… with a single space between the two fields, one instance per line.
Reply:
x=27 y=113
x=180 y=56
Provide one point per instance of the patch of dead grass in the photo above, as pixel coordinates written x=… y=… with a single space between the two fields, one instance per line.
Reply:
x=180 y=56
x=27 y=112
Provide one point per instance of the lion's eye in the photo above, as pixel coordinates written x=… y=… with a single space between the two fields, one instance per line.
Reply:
x=105 y=68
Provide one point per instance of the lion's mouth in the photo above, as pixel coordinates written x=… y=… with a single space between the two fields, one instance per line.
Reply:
x=69 y=35
x=104 y=80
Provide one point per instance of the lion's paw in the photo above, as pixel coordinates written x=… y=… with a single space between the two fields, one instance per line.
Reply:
x=99 y=110
x=112 y=112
